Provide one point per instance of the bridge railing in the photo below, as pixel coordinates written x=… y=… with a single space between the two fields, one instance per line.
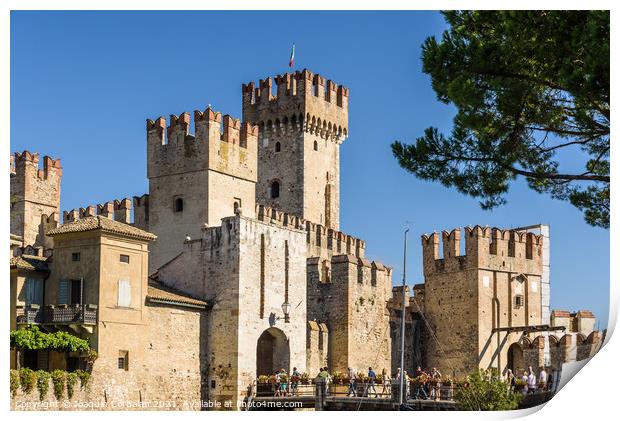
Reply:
x=387 y=389
x=440 y=391
x=286 y=389
x=381 y=389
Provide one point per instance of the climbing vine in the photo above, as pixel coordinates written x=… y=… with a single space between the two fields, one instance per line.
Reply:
x=32 y=338
x=27 y=379
x=14 y=382
x=43 y=383
x=84 y=378
x=72 y=379
x=58 y=379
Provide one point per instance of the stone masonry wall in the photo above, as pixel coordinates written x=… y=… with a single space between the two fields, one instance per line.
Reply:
x=309 y=119
x=467 y=296
x=34 y=192
x=167 y=375
x=208 y=171
x=225 y=267
x=353 y=304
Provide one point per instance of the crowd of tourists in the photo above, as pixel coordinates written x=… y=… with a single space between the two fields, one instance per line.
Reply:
x=528 y=382
x=421 y=384
x=283 y=381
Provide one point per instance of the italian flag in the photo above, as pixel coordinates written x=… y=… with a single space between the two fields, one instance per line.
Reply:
x=291 y=61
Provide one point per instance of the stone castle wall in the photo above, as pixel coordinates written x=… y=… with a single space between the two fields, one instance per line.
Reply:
x=247 y=268
x=352 y=302
x=34 y=192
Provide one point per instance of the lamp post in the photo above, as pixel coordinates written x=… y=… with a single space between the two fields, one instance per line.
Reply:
x=402 y=326
x=286 y=309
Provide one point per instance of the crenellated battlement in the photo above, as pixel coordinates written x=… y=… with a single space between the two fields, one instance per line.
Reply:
x=485 y=248
x=304 y=102
x=302 y=85
x=317 y=236
x=28 y=163
x=223 y=128
x=118 y=210
x=219 y=142
x=34 y=191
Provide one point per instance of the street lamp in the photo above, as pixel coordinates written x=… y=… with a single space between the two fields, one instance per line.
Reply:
x=286 y=309
x=402 y=326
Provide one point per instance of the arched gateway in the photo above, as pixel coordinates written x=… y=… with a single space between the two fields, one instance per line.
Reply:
x=516 y=361
x=272 y=352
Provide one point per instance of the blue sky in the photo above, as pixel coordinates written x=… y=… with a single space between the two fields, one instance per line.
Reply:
x=83 y=83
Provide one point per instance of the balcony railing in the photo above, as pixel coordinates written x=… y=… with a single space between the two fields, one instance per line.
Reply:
x=29 y=314
x=85 y=314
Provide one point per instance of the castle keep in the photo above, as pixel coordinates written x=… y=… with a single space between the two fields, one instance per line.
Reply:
x=233 y=266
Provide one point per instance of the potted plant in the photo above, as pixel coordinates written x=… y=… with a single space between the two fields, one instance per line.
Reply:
x=340 y=383
x=520 y=384
x=337 y=377
x=264 y=385
x=305 y=378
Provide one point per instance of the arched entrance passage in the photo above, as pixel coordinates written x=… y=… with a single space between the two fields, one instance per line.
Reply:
x=272 y=352
x=515 y=359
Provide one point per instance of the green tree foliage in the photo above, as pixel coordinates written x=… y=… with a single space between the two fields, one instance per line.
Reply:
x=33 y=339
x=486 y=391
x=531 y=90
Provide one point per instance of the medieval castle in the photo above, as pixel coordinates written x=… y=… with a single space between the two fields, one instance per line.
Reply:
x=233 y=265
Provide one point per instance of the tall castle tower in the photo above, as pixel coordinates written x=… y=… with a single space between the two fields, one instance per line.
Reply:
x=301 y=128
x=34 y=192
x=195 y=179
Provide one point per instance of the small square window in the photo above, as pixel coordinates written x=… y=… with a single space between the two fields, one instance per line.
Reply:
x=75 y=257
x=518 y=301
x=124 y=258
x=123 y=360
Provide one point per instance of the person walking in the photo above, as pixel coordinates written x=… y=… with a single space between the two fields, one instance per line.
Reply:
x=436 y=378
x=542 y=379
x=385 y=381
x=372 y=380
x=295 y=378
x=283 y=382
x=552 y=378
x=525 y=380
x=531 y=382
x=277 y=384
x=510 y=380
x=352 y=382
x=406 y=382
x=420 y=384
x=397 y=379
x=323 y=377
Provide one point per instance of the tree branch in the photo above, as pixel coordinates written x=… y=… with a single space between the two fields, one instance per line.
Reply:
x=530 y=174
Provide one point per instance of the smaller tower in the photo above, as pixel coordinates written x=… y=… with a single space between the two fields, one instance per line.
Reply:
x=195 y=179
x=34 y=192
x=482 y=302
